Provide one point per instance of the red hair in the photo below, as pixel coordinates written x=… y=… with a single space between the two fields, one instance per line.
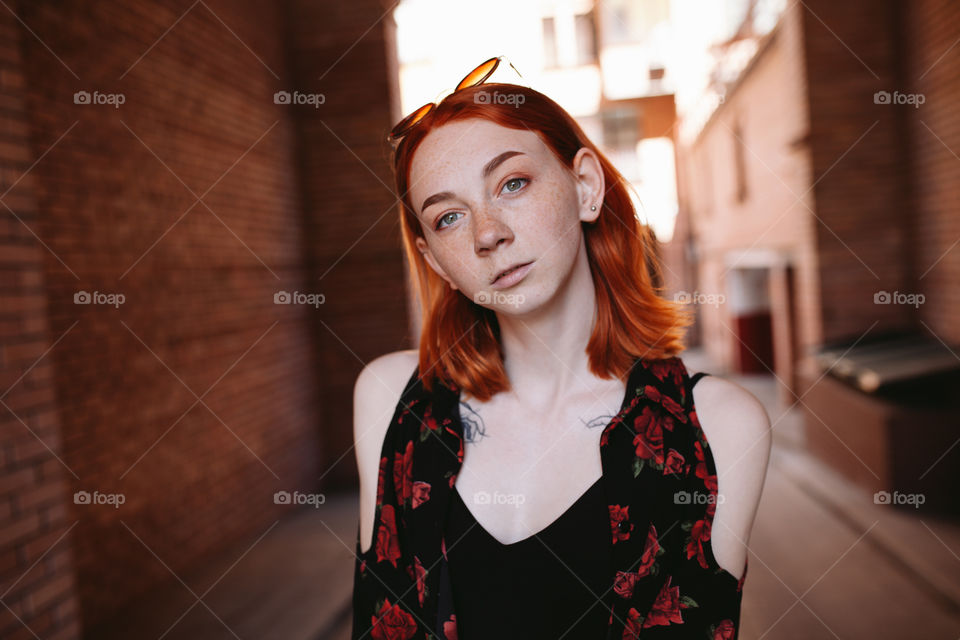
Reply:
x=460 y=340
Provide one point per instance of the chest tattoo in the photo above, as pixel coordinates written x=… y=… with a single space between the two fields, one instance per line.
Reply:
x=473 y=427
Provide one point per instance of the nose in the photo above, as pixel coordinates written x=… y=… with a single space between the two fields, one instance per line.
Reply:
x=490 y=231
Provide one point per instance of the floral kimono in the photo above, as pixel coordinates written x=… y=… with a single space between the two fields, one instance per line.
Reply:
x=660 y=484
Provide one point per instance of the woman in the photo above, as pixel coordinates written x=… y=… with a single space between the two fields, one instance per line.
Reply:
x=551 y=472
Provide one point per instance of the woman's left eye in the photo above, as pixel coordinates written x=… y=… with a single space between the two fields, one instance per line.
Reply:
x=516 y=182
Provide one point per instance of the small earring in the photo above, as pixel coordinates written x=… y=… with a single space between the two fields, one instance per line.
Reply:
x=593 y=208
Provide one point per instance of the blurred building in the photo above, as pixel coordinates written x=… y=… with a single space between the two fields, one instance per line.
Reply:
x=819 y=218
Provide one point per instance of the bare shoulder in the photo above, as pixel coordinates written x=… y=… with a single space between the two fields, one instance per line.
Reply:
x=737 y=428
x=376 y=393
x=727 y=411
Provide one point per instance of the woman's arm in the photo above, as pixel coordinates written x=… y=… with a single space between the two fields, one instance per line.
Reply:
x=376 y=394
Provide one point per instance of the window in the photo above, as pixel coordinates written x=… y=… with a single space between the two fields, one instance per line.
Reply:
x=620 y=128
x=586 y=34
x=620 y=135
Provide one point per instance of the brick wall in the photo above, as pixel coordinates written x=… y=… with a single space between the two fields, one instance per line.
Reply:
x=858 y=152
x=36 y=567
x=197 y=200
x=352 y=232
x=932 y=65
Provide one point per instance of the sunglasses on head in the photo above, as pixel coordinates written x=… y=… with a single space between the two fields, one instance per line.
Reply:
x=475 y=77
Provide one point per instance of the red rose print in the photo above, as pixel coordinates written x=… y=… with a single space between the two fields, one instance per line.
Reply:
x=631 y=628
x=417 y=573
x=406 y=410
x=650 y=548
x=429 y=421
x=649 y=438
x=381 y=480
x=450 y=628
x=421 y=493
x=709 y=481
x=710 y=511
x=619 y=514
x=652 y=392
x=403 y=473
x=388 y=546
x=460 y=452
x=624 y=582
x=671 y=405
x=666 y=608
x=663 y=368
x=724 y=630
x=392 y=623
x=674 y=462
x=699 y=533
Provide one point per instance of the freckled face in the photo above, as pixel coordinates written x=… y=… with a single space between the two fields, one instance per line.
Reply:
x=525 y=207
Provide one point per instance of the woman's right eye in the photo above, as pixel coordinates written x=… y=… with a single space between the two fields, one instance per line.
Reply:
x=440 y=224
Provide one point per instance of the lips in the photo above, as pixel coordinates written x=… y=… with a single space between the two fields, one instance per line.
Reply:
x=508 y=270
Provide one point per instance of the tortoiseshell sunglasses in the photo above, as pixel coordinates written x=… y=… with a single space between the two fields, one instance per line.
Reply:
x=475 y=77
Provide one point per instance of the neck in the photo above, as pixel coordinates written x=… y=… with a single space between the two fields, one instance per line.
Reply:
x=545 y=349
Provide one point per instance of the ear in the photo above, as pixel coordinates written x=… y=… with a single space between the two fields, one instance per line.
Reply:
x=424 y=248
x=590 y=183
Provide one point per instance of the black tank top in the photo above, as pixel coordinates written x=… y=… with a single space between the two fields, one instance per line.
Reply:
x=552 y=584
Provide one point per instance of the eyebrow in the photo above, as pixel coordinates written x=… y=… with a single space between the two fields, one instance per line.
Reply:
x=487 y=170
